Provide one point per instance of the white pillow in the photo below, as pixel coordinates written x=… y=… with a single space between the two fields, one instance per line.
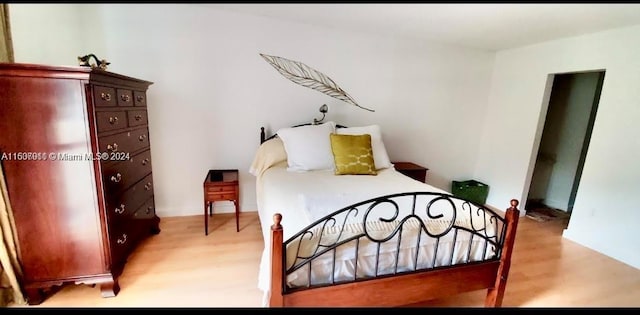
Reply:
x=308 y=147
x=380 y=156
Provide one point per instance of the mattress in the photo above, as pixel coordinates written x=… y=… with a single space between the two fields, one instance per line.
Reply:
x=302 y=198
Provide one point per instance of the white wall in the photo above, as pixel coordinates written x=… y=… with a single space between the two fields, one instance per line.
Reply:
x=213 y=91
x=54 y=34
x=606 y=214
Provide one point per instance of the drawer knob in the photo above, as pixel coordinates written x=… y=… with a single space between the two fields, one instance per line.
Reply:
x=138 y=117
x=120 y=210
x=112 y=147
x=116 y=178
x=123 y=239
x=113 y=120
x=105 y=96
x=145 y=161
x=149 y=209
x=140 y=98
x=142 y=137
x=148 y=186
x=125 y=97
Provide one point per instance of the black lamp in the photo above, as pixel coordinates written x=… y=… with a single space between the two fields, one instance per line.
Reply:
x=323 y=109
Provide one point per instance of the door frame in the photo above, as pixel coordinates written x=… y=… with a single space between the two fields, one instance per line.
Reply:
x=542 y=117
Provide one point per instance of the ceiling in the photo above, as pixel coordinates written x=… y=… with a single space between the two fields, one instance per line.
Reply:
x=484 y=26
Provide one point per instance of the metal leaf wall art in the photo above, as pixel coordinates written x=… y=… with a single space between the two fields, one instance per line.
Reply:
x=306 y=76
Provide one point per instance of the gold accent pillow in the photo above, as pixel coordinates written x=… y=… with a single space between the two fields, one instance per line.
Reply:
x=352 y=154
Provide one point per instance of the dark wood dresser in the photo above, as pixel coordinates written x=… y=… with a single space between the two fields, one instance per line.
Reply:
x=75 y=151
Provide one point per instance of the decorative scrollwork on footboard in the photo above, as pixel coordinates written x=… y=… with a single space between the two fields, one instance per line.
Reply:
x=389 y=235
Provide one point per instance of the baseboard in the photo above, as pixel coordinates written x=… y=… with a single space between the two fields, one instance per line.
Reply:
x=219 y=207
x=556 y=204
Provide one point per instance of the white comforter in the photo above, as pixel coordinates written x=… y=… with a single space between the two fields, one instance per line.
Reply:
x=304 y=197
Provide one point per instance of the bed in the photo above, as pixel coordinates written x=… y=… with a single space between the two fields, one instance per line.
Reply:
x=383 y=240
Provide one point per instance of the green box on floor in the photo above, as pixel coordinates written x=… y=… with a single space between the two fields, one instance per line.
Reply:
x=471 y=190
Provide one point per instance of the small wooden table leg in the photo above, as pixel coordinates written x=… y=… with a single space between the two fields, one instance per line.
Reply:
x=206 y=219
x=236 y=203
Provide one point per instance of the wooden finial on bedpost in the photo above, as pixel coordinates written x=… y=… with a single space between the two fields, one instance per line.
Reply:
x=514 y=204
x=262 y=135
x=276 y=298
x=277 y=218
x=496 y=293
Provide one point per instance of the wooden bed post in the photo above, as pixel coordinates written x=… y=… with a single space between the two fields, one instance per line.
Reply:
x=496 y=293
x=262 y=135
x=276 y=299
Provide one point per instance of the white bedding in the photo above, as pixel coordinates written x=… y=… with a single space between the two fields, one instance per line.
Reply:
x=304 y=197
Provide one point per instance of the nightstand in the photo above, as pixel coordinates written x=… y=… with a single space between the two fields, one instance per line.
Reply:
x=220 y=185
x=412 y=170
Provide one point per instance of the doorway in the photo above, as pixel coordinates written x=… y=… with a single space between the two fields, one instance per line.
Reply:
x=571 y=112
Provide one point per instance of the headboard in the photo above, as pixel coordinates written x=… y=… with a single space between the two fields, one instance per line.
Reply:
x=263 y=136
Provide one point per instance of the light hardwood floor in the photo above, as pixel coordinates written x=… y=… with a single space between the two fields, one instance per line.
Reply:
x=181 y=267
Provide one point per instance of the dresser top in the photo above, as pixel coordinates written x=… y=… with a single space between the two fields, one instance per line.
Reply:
x=66 y=72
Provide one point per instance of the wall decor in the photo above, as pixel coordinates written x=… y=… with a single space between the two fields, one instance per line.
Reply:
x=306 y=76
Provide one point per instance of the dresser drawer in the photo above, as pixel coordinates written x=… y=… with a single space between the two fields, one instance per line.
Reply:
x=122 y=239
x=125 y=97
x=106 y=121
x=121 y=207
x=119 y=176
x=146 y=211
x=104 y=96
x=129 y=141
x=139 y=98
x=137 y=117
x=119 y=212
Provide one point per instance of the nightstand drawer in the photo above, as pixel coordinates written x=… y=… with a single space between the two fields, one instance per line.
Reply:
x=221 y=196
x=221 y=188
